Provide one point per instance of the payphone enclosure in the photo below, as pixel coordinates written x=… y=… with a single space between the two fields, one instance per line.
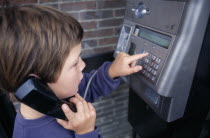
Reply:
x=172 y=32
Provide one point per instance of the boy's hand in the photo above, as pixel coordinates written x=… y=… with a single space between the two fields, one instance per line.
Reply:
x=81 y=122
x=125 y=64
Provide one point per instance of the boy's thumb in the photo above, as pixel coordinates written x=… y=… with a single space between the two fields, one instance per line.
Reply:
x=136 y=69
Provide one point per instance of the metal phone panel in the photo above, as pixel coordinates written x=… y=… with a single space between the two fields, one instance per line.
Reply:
x=167 y=95
x=165 y=21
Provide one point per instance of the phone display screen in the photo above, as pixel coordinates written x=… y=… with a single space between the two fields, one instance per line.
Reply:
x=154 y=37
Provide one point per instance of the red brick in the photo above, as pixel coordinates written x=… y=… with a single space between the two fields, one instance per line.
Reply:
x=108 y=41
x=117 y=30
x=52 y=5
x=111 y=22
x=76 y=6
x=96 y=14
x=45 y=1
x=24 y=1
x=1 y=2
x=89 y=43
x=98 y=33
x=89 y=25
x=75 y=15
x=111 y=4
x=120 y=12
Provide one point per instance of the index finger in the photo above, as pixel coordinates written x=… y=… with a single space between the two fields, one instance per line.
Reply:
x=136 y=57
x=67 y=111
x=78 y=103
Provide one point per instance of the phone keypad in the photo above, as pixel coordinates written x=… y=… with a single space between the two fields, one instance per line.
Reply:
x=151 y=65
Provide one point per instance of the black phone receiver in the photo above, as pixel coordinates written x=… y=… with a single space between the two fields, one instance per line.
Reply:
x=37 y=95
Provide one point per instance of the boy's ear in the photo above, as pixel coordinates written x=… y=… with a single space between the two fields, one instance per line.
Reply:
x=34 y=75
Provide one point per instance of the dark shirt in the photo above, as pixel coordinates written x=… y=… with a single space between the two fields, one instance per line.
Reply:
x=47 y=127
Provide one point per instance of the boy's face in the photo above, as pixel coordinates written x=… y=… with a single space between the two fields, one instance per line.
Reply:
x=71 y=75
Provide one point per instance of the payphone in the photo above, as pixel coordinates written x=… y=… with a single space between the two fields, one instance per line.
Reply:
x=172 y=32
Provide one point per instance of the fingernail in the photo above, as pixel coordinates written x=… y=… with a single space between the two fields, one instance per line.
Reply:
x=64 y=107
x=139 y=68
x=58 y=120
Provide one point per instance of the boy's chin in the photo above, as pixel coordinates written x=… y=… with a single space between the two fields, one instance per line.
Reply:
x=76 y=91
x=70 y=96
x=67 y=98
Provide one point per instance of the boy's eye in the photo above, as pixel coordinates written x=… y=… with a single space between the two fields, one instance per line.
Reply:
x=76 y=63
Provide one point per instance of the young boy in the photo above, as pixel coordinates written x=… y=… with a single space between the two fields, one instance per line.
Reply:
x=44 y=42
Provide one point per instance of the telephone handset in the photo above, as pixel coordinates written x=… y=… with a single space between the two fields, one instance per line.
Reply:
x=37 y=95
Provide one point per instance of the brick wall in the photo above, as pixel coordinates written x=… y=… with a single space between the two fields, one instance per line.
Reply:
x=101 y=20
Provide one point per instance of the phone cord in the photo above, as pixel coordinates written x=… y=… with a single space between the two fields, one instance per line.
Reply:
x=87 y=87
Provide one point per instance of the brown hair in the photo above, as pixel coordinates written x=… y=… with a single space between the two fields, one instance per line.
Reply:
x=34 y=39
